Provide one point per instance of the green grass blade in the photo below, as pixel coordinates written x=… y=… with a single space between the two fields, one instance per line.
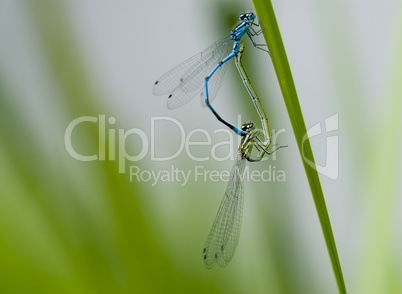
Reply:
x=280 y=62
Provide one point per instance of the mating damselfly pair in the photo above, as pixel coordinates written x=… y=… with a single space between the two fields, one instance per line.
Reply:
x=202 y=75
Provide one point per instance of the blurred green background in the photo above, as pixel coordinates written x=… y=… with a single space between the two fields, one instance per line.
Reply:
x=69 y=226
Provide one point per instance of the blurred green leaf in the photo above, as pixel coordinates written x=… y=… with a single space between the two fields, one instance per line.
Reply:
x=68 y=227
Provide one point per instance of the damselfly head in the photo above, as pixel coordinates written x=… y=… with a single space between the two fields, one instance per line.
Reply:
x=247 y=16
x=247 y=126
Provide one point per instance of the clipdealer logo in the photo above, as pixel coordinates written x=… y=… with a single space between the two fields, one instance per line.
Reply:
x=109 y=136
x=330 y=168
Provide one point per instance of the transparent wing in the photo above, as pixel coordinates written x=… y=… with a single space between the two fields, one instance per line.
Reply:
x=224 y=236
x=186 y=80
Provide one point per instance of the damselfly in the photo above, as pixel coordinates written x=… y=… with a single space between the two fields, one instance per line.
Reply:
x=184 y=81
x=264 y=121
x=224 y=235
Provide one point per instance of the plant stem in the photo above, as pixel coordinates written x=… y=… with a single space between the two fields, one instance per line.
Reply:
x=280 y=62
